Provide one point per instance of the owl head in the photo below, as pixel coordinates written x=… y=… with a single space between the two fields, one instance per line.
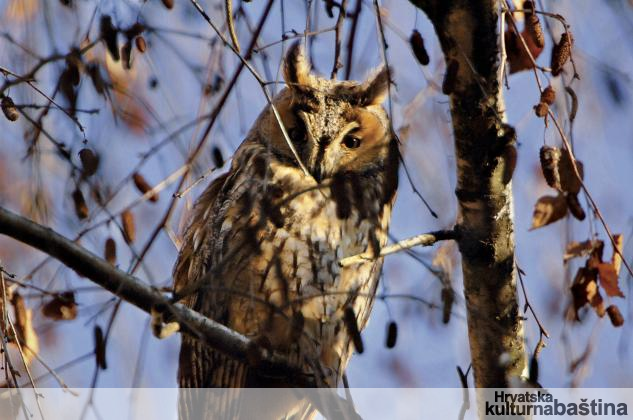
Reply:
x=335 y=126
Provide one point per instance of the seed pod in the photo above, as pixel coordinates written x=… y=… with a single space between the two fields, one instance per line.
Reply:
x=110 y=251
x=143 y=186
x=100 y=348
x=541 y=109
x=89 y=161
x=615 y=316
x=126 y=55
x=574 y=206
x=109 y=35
x=392 y=335
x=81 y=208
x=129 y=230
x=9 y=109
x=61 y=308
x=548 y=95
x=574 y=103
x=561 y=53
x=417 y=45
x=550 y=156
x=135 y=30
x=533 y=25
x=448 y=297
x=450 y=77
x=218 y=159
x=352 y=329
x=141 y=45
x=168 y=3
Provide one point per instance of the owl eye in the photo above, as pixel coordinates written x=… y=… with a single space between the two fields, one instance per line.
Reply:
x=351 y=142
x=298 y=132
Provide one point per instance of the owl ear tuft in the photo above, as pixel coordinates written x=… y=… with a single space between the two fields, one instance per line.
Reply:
x=296 y=67
x=376 y=88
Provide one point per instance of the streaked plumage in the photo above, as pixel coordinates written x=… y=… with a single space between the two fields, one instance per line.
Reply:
x=271 y=236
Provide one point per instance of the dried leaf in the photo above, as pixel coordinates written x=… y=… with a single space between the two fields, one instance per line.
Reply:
x=81 y=208
x=579 y=249
x=609 y=280
x=100 y=348
x=574 y=206
x=615 y=316
x=392 y=335
x=61 y=308
x=417 y=45
x=568 y=180
x=89 y=161
x=585 y=290
x=25 y=334
x=561 y=53
x=110 y=251
x=518 y=57
x=9 y=109
x=349 y=318
x=97 y=80
x=616 y=259
x=143 y=186
x=129 y=229
x=548 y=209
x=168 y=3
x=549 y=157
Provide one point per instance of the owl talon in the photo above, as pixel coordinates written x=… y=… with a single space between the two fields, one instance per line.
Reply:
x=160 y=329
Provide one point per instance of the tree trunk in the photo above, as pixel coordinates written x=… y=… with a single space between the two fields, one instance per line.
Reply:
x=484 y=145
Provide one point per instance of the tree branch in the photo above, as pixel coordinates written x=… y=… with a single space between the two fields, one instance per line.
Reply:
x=146 y=298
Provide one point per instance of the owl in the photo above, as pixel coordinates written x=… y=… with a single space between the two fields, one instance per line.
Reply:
x=272 y=229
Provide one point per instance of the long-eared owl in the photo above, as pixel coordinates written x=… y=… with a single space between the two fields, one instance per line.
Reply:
x=271 y=234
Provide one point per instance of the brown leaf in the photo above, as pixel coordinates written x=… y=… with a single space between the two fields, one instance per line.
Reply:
x=615 y=316
x=579 y=249
x=61 y=308
x=25 y=334
x=585 y=290
x=574 y=206
x=518 y=57
x=568 y=180
x=548 y=209
x=129 y=229
x=616 y=259
x=609 y=279
x=143 y=186
x=110 y=251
